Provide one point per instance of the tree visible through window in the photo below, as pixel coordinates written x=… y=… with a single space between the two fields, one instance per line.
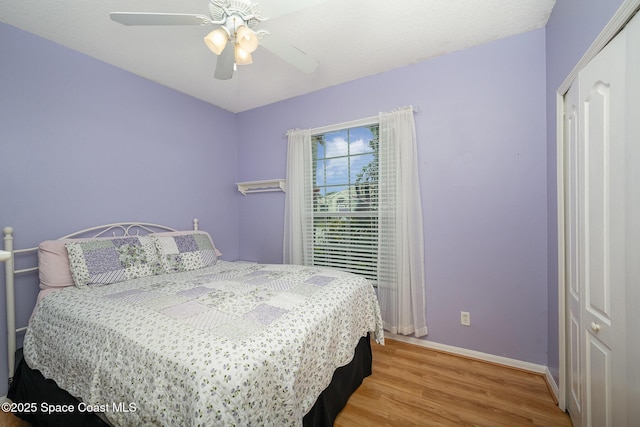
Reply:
x=345 y=199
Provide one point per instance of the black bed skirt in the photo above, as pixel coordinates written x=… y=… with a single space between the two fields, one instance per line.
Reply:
x=29 y=386
x=345 y=381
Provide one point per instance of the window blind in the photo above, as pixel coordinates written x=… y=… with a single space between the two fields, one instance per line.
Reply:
x=345 y=200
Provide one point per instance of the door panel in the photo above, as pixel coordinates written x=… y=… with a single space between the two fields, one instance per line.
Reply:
x=601 y=172
x=598 y=368
x=597 y=201
x=594 y=143
x=572 y=241
x=575 y=371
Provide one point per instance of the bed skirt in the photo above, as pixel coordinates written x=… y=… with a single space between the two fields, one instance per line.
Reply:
x=29 y=386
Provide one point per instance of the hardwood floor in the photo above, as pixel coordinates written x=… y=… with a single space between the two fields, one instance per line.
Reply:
x=413 y=385
x=9 y=420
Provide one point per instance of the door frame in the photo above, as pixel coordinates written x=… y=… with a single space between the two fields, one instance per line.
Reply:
x=625 y=12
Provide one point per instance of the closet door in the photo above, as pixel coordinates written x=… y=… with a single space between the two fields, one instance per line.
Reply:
x=596 y=245
x=602 y=270
x=572 y=242
x=632 y=296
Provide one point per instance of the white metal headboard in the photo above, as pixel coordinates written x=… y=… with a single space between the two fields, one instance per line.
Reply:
x=116 y=229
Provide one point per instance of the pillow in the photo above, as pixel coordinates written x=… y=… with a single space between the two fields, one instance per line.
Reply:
x=104 y=261
x=187 y=232
x=185 y=250
x=53 y=263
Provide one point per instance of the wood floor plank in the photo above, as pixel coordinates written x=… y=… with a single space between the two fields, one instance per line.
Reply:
x=417 y=386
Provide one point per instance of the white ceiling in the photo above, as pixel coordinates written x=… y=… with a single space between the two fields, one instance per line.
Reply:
x=350 y=39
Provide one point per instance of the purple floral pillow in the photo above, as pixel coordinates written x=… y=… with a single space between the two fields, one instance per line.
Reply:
x=104 y=261
x=185 y=251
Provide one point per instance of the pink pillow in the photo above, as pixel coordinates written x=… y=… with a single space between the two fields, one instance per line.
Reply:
x=53 y=263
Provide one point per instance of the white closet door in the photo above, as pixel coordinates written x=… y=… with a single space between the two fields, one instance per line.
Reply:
x=602 y=272
x=595 y=235
x=574 y=329
x=632 y=296
x=600 y=202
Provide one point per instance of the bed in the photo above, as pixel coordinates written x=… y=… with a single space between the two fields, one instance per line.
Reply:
x=155 y=329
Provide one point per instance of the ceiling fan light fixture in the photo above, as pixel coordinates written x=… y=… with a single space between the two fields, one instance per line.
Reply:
x=247 y=39
x=242 y=57
x=235 y=36
x=216 y=40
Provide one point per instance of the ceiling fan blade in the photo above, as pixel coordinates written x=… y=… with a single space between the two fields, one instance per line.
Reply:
x=289 y=53
x=224 y=65
x=274 y=9
x=140 y=18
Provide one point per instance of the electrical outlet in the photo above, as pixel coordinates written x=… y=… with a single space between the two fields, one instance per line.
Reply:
x=465 y=318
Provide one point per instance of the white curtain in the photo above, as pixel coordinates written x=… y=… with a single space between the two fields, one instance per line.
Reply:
x=401 y=284
x=298 y=207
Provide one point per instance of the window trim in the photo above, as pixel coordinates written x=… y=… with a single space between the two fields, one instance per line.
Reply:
x=375 y=120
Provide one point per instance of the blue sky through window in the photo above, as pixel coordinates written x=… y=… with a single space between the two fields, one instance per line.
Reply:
x=340 y=157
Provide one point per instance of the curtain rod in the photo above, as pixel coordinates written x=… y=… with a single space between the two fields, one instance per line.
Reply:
x=352 y=123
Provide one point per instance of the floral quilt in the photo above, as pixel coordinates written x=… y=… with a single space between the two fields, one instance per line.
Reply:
x=232 y=344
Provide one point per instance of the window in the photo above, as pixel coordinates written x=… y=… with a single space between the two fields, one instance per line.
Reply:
x=353 y=202
x=345 y=199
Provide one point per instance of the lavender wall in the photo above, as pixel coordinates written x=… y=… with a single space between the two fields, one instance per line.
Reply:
x=482 y=154
x=572 y=27
x=83 y=143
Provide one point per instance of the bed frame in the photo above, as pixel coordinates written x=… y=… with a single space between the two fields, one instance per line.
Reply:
x=116 y=229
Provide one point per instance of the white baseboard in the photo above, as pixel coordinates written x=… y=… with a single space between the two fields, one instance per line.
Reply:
x=492 y=358
x=553 y=386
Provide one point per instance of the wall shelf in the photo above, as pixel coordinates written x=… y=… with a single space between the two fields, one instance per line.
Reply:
x=261 y=186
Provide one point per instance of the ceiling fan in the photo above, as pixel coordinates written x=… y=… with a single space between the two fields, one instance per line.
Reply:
x=236 y=37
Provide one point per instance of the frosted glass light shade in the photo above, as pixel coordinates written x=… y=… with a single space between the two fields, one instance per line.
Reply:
x=216 y=40
x=4 y=255
x=242 y=56
x=247 y=39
